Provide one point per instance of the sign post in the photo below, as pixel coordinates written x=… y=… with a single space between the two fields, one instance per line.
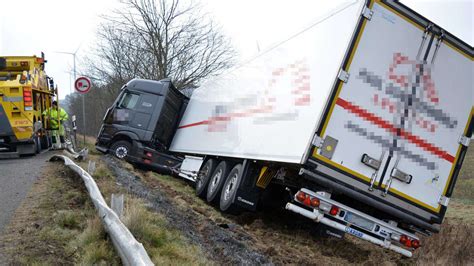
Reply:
x=83 y=85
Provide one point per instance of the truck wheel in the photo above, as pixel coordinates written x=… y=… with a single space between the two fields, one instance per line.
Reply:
x=217 y=181
x=44 y=142
x=203 y=178
x=230 y=189
x=37 y=141
x=121 y=149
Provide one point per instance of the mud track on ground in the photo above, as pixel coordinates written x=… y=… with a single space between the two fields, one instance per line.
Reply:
x=223 y=246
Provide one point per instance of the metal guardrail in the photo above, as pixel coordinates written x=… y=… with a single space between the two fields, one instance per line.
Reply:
x=129 y=249
x=81 y=155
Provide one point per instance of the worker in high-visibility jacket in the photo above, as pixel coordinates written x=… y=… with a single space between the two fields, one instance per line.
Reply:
x=56 y=117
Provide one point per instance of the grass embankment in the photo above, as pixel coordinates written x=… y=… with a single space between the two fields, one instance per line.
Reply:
x=457 y=231
x=454 y=245
x=57 y=224
x=462 y=204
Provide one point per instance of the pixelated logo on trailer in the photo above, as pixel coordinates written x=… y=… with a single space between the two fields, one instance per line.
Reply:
x=266 y=111
x=410 y=95
x=300 y=77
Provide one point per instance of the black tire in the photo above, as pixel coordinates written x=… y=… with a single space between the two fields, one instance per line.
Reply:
x=44 y=142
x=217 y=181
x=229 y=190
x=203 y=178
x=37 y=141
x=121 y=149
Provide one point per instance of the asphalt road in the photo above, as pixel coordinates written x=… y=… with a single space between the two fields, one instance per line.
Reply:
x=16 y=178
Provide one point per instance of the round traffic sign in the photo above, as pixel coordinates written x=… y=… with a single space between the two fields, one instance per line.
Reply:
x=82 y=85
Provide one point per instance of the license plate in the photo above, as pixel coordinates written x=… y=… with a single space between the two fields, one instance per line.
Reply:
x=2 y=140
x=354 y=232
x=359 y=221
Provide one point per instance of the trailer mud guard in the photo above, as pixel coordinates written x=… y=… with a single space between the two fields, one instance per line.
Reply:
x=248 y=193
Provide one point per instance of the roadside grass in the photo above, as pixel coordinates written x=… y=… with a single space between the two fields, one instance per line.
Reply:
x=183 y=195
x=59 y=224
x=165 y=246
x=462 y=205
x=465 y=184
x=49 y=221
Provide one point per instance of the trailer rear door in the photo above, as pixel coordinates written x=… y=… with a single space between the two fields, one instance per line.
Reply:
x=400 y=115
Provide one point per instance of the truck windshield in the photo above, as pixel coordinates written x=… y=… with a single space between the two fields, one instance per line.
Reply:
x=129 y=100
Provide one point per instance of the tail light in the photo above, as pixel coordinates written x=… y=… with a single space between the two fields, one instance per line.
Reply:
x=334 y=210
x=148 y=154
x=307 y=199
x=415 y=243
x=27 y=99
x=315 y=202
x=403 y=239
x=409 y=243
x=147 y=161
x=301 y=196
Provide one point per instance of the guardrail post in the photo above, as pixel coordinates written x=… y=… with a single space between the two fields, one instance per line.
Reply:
x=116 y=203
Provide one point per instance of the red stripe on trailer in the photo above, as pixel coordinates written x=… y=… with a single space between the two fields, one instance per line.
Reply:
x=359 y=111
x=226 y=118
x=205 y=122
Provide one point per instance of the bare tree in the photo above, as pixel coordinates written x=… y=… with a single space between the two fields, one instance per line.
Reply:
x=152 y=39
x=155 y=39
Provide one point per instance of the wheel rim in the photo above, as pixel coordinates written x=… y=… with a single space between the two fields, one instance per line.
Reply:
x=121 y=152
x=215 y=180
x=229 y=189
x=204 y=172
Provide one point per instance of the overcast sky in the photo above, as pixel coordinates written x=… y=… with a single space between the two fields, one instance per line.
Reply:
x=31 y=26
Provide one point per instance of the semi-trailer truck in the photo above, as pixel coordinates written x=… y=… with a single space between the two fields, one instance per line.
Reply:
x=365 y=117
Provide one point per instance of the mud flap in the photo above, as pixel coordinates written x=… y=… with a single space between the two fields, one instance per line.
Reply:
x=247 y=198
x=248 y=193
x=322 y=230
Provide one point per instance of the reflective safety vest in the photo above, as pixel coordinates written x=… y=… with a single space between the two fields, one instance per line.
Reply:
x=53 y=117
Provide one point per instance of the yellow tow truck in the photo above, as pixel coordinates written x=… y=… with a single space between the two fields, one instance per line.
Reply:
x=25 y=93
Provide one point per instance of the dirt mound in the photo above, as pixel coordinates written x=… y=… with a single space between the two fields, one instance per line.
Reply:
x=454 y=245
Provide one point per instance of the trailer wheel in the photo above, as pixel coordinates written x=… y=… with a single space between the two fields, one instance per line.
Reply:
x=203 y=178
x=217 y=181
x=121 y=149
x=230 y=189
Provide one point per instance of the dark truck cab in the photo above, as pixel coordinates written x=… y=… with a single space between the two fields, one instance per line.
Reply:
x=140 y=125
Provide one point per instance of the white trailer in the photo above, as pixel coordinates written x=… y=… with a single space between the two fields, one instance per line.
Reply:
x=367 y=114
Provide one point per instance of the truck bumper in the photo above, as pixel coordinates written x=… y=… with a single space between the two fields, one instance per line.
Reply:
x=319 y=217
x=9 y=155
x=319 y=207
x=158 y=161
x=14 y=149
